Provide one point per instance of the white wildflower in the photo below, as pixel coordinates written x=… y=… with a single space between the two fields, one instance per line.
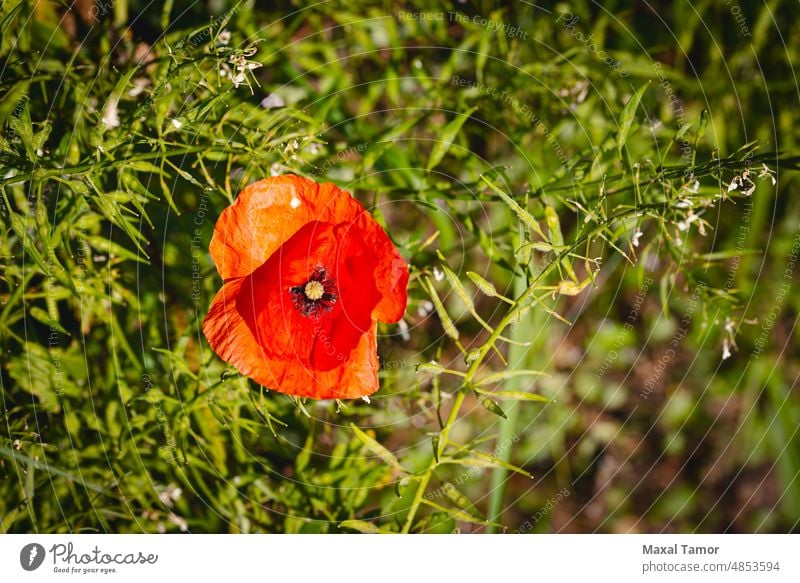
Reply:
x=224 y=37
x=425 y=308
x=583 y=91
x=178 y=521
x=742 y=183
x=438 y=274
x=365 y=398
x=241 y=66
x=111 y=113
x=636 y=236
x=686 y=223
x=765 y=171
x=176 y=123
x=272 y=101
x=238 y=79
x=729 y=342
x=403 y=325
x=170 y=495
x=729 y=326
x=291 y=146
x=138 y=86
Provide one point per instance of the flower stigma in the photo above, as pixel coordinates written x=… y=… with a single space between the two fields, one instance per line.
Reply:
x=316 y=295
x=314 y=290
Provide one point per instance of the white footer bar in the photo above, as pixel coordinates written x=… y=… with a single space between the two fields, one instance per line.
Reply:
x=390 y=558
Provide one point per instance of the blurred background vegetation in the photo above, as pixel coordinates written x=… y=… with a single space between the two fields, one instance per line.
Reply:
x=559 y=151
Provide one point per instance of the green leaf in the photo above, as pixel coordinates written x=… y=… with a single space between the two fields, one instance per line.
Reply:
x=458 y=514
x=554 y=226
x=41 y=374
x=500 y=463
x=361 y=526
x=447 y=323
x=521 y=213
x=507 y=374
x=41 y=136
x=47 y=467
x=9 y=18
x=701 y=131
x=111 y=212
x=461 y=500
x=701 y=128
x=484 y=286
x=41 y=315
x=546 y=247
x=664 y=286
x=302 y=459
x=388 y=140
x=682 y=131
x=490 y=405
x=23 y=127
x=431 y=367
x=478 y=459
x=458 y=288
x=446 y=138
x=557 y=238
x=376 y=448
x=113 y=249
x=516 y=395
x=143 y=166
x=628 y=114
x=19 y=226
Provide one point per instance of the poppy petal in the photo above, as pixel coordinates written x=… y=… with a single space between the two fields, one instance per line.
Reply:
x=308 y=273
x=266 y=301
x=391 y=274
x=358 y=295
x=231 y=338
x=356 y=376
x=324 y=339
x=267 y=213
x=229 y=335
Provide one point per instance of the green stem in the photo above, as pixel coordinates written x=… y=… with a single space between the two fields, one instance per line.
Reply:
x=426 y=477
x=518 y=357
x=522 y=302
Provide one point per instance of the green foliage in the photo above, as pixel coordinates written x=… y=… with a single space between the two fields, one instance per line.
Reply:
x=548 y=205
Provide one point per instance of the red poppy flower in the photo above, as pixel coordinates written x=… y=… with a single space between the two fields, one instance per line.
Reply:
x=308 y=274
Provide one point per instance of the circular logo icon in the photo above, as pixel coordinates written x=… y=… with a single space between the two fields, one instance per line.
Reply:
x=31 y=556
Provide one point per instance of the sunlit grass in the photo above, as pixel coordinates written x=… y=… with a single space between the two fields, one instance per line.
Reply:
x=563 y=185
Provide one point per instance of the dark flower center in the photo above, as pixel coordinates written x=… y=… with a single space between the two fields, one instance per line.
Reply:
x=315 y=296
